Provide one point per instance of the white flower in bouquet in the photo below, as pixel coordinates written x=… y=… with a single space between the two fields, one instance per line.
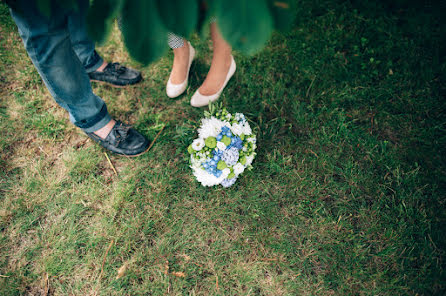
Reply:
x=206 y=179
x=225 y=173
x=210 y=127
x=240 y=117
x=237 y=129
x=246 y=129
x=194 y=163
x=221 y=146
x=198 y=144
x=252 y=140
x=238 y=168
x=249 y=160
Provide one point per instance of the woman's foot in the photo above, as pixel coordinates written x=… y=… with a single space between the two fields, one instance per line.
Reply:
x=217 y=74
x=178 y=78
x=199 y=99
x=180 y=63
x=222 y=69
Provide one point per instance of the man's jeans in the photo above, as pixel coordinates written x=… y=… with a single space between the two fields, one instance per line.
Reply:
x=63 y=54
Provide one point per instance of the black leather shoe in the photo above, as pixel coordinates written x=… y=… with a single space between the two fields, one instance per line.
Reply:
x=123 y=140
x=116 y=75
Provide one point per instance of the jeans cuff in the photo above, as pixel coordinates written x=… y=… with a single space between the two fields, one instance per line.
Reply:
x=97 y=62
x=96 y=122
x=100 y=124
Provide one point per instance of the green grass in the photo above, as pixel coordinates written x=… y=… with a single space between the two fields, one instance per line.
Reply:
x=346 y=196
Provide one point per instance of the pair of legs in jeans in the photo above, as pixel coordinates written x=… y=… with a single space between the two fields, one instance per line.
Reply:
x=66 y=60
x=64 y=56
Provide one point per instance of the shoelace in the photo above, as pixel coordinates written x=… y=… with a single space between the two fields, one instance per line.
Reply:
x=121 y=131
x=116 y=68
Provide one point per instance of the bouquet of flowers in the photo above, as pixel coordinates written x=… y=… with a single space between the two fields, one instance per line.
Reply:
x=225 y=147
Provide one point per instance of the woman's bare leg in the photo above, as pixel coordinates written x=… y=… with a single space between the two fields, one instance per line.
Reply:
x=221 y=61
x=180 y=63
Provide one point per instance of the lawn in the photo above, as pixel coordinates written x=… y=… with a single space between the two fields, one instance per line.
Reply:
x=347 y=194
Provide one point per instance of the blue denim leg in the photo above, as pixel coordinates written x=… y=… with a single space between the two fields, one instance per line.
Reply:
x=48 y=44
x=83 y=46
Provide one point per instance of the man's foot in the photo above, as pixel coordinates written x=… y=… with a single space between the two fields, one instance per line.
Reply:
x=116 y=75
x=121 y=139
x=104 y=131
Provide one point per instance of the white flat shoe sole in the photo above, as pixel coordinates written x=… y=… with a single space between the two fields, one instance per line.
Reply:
x=199 y=100
x=174 y=90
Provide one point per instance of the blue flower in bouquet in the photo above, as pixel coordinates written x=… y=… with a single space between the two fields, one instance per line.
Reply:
x=228 y=182
x=230 y=156
x=218 y=153
x=225 y=130
x=237 y=142
x=217 y=173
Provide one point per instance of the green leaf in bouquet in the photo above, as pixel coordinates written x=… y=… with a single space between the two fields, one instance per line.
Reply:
x=214 y=107
x=100 y=18
x=178 y=16
x=190 y=149
x=221 y=165
x=246 y=25
x=145 y=36
x=283 y=13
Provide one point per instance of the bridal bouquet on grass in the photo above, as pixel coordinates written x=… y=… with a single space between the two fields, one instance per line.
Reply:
x=225 y=147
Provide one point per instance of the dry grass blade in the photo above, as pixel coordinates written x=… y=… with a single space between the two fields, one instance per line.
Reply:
x=166 y=267
x=178 y=274
x=216 y=282
x=47 y=285
x=156 y=137
x=105 y=257
x=121 y=271
x=111 y=164
x=102 y=266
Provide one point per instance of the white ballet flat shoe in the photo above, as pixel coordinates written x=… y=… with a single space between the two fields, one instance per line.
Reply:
x=199 y=100
x=174 y=90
